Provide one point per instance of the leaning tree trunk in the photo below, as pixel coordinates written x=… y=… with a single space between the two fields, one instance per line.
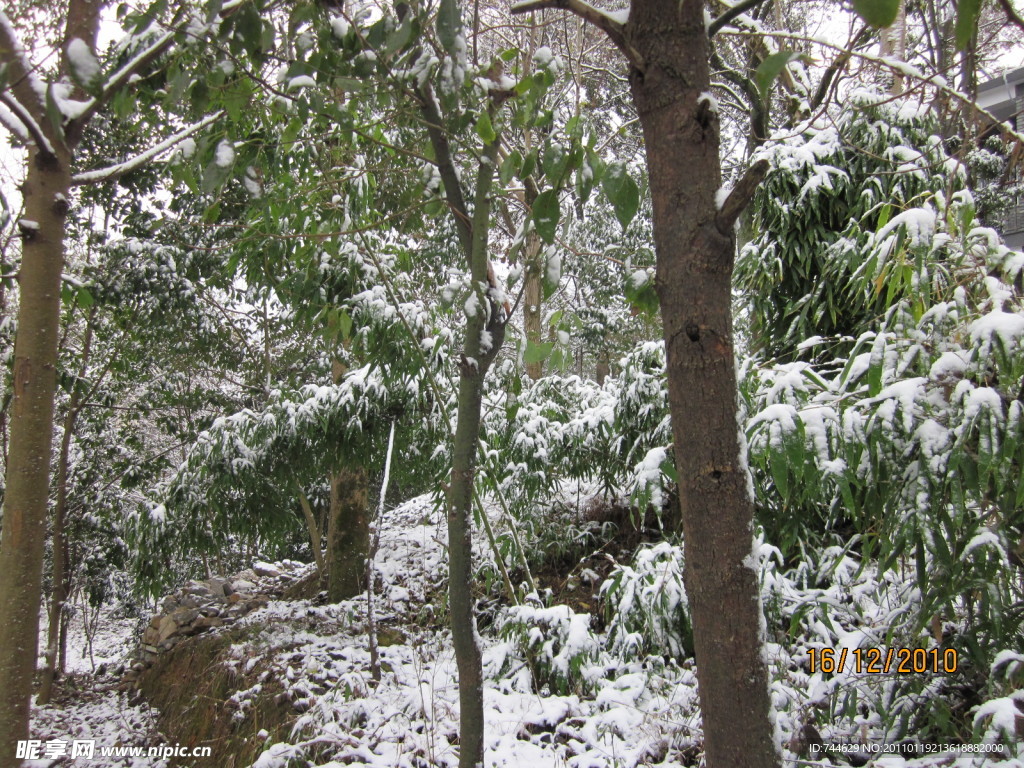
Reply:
x=695 y=247
x=46 y=191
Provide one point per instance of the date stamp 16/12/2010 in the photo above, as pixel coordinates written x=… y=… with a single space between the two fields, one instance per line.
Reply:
x=876 y=661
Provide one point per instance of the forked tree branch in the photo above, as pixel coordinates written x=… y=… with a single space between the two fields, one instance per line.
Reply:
x=612 y=27
x=446 y=165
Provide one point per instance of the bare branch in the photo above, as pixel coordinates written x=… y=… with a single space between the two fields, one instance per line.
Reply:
x=114 y=171
x=740 y=196
x=730 y=14
x=1011 y=13
x=612 y=27
x=837 y=65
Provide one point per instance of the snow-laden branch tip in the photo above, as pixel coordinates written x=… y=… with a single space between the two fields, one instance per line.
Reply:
x=611 y=22
x=20 y=121
x=114 y=171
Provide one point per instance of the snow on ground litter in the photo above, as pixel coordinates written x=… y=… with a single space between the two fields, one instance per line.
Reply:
x=618 y=713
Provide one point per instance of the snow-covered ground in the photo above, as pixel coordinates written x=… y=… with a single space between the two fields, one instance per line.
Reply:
x=612 y=713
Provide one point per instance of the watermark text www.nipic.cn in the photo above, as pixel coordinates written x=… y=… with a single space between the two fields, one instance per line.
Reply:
x=35 y=749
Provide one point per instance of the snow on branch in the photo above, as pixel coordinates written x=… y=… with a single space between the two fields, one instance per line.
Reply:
x=21 y=122
x=612 y=23
x=10 y=121
x=25 y=97
x=118 y=80
x=114 y=171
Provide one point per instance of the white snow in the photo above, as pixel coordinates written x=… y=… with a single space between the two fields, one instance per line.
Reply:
x=225 y=154
x=82 y=61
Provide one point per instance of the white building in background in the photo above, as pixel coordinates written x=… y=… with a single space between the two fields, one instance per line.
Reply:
x=1004 y=98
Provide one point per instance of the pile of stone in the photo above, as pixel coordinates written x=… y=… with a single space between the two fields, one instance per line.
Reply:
x=216 y=602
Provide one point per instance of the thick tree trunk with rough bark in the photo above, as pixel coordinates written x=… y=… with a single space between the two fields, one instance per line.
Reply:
x=695 y=249
x=46 y=191
x=348 y=532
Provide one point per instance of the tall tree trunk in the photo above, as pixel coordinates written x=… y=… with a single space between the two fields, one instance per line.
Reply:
x=46 y=191
x=348 y=532
x=695 y=249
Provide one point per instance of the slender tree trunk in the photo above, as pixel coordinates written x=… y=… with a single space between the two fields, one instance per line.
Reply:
x=46 y=192
x=695 y=254
x=60 y=573
x=348 y=532
x=532 y=298
x=473 y=364
x=485 y=333
x=315 y=540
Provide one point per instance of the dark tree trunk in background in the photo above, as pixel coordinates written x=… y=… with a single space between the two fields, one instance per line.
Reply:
x=348 y=532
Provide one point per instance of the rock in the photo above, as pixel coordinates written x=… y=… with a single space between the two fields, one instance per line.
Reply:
x=168 y=626
x=243 y=585
x=206 y=622
x=151 y=636
x=219 y=587
x=185 y=616
x=266 y=569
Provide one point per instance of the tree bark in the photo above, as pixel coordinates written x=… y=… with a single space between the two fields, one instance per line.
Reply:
x=533 y=294
x=348 y=532
x=46 y=191
x=695 y=251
